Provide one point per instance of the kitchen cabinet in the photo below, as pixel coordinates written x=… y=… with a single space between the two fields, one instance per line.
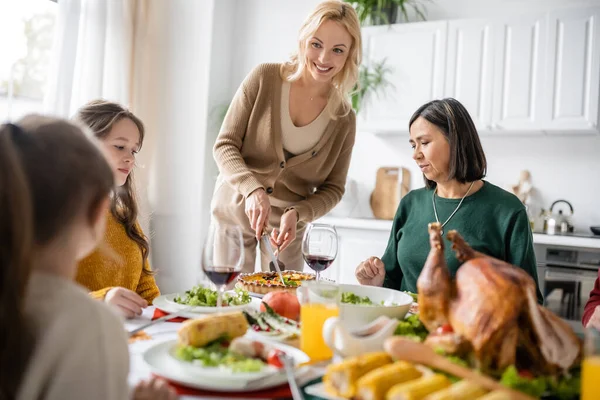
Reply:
x=415 y=55
x=469 y=68
x=356 y=248
x=519 y=48
x=358 y=239
x=530 y=74
x=573 y=70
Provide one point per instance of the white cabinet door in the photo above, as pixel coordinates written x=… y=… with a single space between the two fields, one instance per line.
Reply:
x=520 y=58
x=469 y=68
x=356 y=245
x=415 y=54
x=573 y=69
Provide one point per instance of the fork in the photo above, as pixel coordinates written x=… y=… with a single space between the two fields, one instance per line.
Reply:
x=288 y=364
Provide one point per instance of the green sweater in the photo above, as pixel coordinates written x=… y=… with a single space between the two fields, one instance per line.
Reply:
x=492 y=220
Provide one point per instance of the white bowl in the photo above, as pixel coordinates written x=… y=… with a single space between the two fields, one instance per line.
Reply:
x=354 y=316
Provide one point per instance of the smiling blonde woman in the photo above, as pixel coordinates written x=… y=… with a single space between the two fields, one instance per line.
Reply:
x=284 y=148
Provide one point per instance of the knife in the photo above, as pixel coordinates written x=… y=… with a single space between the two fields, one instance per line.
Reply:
x=267 y=243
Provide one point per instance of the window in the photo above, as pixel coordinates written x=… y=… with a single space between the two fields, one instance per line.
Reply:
x=27 y=30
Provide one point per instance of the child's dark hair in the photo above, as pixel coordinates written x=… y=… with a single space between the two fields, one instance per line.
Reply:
x=50 y=173
x=100 y=116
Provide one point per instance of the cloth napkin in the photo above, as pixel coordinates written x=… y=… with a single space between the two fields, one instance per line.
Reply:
x=160 y=313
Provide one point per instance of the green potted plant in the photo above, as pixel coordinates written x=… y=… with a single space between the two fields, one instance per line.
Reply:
x=383 y=12
x=372 y=80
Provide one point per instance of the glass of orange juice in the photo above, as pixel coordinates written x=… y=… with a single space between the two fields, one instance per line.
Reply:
x=590 y=371
x=318 y=302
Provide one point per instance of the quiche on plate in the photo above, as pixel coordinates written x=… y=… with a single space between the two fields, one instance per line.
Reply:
x=265 y=282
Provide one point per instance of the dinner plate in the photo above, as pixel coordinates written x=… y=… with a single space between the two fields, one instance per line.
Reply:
x=161 y=362
x=167 y=303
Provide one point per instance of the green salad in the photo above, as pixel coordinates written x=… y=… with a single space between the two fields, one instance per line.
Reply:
x=411 y=294
x=206 y=297
x=412 y=327
x=351 y=298
x=217 y=354
x=563 y=388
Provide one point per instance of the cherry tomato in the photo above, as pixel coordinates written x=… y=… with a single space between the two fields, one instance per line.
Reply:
x=273 y=358
x=446 y=328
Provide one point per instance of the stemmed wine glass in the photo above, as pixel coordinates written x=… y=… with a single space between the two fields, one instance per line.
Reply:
x=319 y=246
x=223 y=256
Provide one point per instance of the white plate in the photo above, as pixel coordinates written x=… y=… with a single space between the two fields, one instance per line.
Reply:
x=318 y=390
x=162 y=363
x=166 y=303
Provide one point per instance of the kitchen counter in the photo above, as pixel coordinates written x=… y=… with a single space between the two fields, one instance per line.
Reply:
x=567 y=240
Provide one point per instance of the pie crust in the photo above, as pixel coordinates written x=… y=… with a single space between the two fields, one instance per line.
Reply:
x=266 y=282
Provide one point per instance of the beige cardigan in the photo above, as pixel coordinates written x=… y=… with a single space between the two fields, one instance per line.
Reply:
x=80 y=349
x=249 y=152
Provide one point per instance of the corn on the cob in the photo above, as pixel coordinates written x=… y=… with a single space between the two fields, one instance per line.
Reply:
x=496 y=395
x=200 y=332
x=463 y=390
x=340 y=379
x=418 y=388
x=375 y=384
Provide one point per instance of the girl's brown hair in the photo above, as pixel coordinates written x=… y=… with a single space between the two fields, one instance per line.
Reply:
x=100 y=116
x=50 y=173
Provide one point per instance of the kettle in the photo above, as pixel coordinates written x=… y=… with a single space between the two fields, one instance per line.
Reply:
x=558 y=223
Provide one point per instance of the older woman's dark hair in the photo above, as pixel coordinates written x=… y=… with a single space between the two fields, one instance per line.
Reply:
x=467 y=159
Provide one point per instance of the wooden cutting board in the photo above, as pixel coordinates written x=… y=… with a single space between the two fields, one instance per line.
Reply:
x=392 y=183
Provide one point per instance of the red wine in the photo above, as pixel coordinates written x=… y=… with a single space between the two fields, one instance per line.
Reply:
x=222 y=275
x=318 y=263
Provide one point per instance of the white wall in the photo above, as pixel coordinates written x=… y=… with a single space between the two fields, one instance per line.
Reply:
x=562 y=167
x=265 y=31
x=173 y=103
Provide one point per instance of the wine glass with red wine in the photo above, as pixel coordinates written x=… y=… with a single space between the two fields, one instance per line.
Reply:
x=223 y=256
x=319 y=246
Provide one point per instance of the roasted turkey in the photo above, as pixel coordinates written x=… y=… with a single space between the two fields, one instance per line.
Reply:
x=492 y=306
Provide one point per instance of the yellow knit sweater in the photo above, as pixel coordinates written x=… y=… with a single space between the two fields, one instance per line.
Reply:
x=101 y=271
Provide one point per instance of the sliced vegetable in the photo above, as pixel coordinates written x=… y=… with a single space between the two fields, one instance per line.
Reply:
x=273 y=358
x=446 y=328
x=272 y=324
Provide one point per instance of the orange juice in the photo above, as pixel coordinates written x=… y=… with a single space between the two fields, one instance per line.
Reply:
x=312 y=318
x=590 y=378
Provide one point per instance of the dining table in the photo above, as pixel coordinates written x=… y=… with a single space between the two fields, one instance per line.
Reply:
x=165 y=331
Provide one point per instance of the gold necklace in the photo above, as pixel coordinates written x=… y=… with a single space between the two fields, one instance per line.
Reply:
x=455 y=210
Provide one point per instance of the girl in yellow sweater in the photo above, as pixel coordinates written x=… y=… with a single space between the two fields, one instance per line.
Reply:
x=118 y=270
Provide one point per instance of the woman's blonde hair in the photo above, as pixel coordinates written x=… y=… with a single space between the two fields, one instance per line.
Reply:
x=343 y=83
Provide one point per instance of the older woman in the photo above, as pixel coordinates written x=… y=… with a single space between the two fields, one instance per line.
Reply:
x=493 y=221
x=284 y=148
